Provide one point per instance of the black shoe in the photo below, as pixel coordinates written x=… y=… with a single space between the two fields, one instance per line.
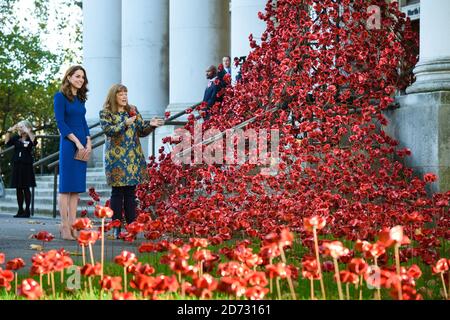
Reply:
x=19 y=214
x=116 y=233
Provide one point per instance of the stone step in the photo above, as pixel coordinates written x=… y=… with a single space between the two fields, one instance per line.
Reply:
x=96 y=176
x=11 y=207
x=97 y=185
x=49 y=192
x=43 y=201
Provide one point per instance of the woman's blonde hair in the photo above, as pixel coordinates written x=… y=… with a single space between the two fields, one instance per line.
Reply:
x=26 y=123
x=66 y=86
x=111 y=99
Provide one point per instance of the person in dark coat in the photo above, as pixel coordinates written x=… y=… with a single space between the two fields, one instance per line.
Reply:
x=210 y=96
x=22 y=164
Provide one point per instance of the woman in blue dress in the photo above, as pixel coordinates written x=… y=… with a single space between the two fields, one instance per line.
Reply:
x=70 y=111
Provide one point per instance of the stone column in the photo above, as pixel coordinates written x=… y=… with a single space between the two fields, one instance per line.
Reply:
x=102 y=55
x=245 y=21
x=199 y=37
x=145 y=57
x=422 y=121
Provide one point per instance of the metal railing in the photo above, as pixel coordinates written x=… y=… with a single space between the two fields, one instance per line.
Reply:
x=54 y=164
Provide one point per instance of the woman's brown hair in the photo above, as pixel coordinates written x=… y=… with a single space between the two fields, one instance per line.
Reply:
x=111 y=99
x=66 y=87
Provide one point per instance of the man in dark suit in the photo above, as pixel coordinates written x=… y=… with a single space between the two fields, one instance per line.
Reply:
x=210 y=96
x=225 y=70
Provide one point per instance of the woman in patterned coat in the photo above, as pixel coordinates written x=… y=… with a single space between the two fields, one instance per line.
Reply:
x=125 y=164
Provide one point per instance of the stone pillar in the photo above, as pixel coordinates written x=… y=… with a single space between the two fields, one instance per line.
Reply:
x=145 y=57
x=102 y=55
x=245 y=21
x=422 y=121
x=199 y=37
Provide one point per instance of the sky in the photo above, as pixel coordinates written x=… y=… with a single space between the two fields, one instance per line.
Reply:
x=56 y=39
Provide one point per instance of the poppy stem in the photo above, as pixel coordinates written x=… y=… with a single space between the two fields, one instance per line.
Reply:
x=338 y=278
x=40 y=280
x=92 y=254
x=62 y=276
x=278 y=288
x=53 y=284
x=360 y=286
x=348 y=291
x=83 y=253
x=90 y=285
x=289 y=280
x=443 y=285
x=397 y=263
x=377 y=284
x=312 y=288
x=316 y=247
x=15 y=276
x=103 y=248
x=271 y=280
x=125 y=279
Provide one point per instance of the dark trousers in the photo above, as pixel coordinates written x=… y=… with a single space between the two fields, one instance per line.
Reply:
x=124 y=198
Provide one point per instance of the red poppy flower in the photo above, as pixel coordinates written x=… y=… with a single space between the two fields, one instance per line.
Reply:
x=83 y=213
x=126 y=259
x=203 y=255
x=164 y=284
x=335 y=249
x=82 y=224
x=232 y=286
x=123 y=296
x=310 y=264
x=15 y=264
x=348 y=277
x=89 y=270
x=279 y=270
x=414 y=272
x=316 y=221
x=2 y=258
x=44 y=236
x=111 y=283
x=377 y=250
x=87 y=237
x=6 y=276
x=441 y=266
x=429 y=177
x=232 y=269
x=132 y=113
x=143 y=283
x=135 y=227
x=148 y=247
x=103 y=212
x=328 y=266
x=141 y=269
x=206 y=281
x=166 y=114
x=198 y=242
x=388 y=237
x=358 y=266
x=256 y=293
x=30 y=289
x=256 y=278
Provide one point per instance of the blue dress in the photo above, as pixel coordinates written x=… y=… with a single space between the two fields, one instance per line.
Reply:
x=70 y=118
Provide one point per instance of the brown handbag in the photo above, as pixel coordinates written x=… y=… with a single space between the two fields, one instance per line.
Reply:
x=84 y=158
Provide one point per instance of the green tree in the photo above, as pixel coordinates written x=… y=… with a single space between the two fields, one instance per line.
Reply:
x=29 y=70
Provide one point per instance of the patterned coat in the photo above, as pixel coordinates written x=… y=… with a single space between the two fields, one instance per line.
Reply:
x=125 y=163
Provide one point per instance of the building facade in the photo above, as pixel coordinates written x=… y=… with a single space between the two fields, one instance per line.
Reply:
x=159 y=49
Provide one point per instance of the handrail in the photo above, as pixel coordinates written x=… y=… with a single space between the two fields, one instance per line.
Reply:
x=54 y=165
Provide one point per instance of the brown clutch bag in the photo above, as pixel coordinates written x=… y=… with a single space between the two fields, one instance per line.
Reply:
x=79 y=157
